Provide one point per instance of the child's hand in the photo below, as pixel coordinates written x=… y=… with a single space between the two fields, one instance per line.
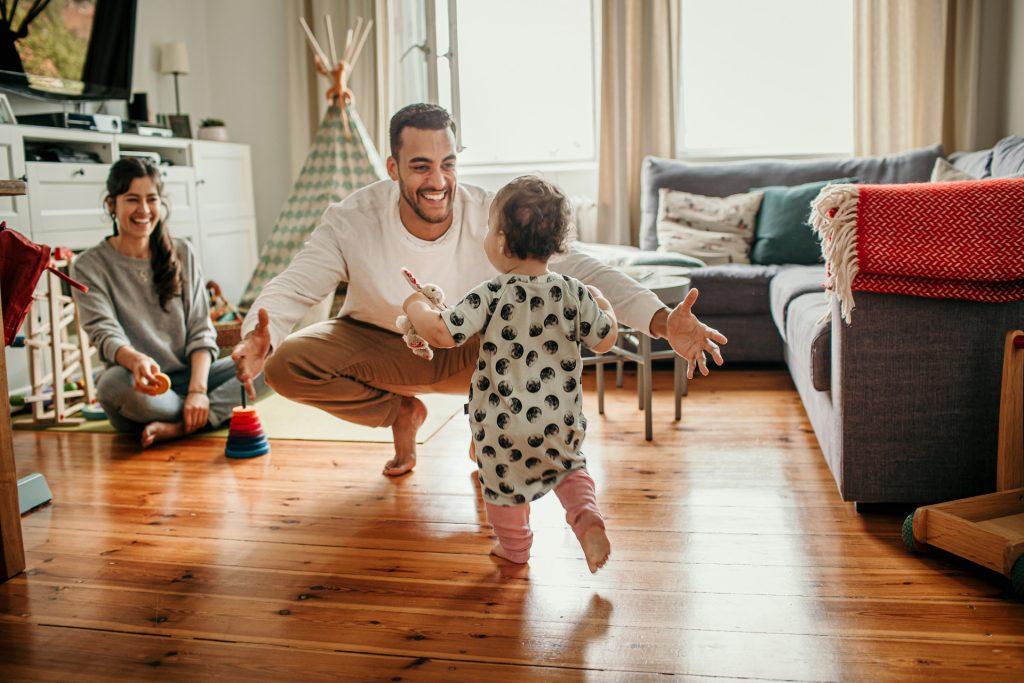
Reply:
x=413 y=298
x=602 y=303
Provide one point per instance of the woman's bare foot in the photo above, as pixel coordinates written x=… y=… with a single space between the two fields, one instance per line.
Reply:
x=499 y=551
x=155 y=432
x=410 y=416
x=596 y=547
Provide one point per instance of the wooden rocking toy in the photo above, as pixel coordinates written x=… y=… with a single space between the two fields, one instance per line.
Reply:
x=54 y=315
x=988 y=529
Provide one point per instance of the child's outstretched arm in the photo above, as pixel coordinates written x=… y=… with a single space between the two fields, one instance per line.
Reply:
x=606 y=344
x=426 y=320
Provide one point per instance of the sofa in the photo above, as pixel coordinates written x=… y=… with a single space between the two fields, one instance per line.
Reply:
x=904 y=401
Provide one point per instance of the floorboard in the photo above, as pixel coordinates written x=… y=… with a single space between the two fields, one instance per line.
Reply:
x=733 y=559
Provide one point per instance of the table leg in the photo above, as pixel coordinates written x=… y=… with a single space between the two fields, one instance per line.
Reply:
x=599 y=369
x=678 y=379
x=639 y=384
x=645 y=353
x=619 y=365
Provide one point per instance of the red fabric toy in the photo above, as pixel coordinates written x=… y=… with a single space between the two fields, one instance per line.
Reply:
x=22 y=262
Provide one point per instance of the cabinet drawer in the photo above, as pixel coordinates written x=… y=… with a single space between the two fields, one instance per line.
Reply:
x=65 y=199
x=180 y=191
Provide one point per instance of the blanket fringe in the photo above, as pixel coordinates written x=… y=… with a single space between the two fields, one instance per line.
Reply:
x=834 y=218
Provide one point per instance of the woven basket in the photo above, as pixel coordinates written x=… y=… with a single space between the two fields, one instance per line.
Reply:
x=228 y=334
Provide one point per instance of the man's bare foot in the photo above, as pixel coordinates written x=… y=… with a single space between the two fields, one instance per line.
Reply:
x=499 y=551
x=410 y=416
x=596 y=548
x=155 y=432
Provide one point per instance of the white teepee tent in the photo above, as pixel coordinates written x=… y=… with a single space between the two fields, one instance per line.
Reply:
x=341 y=160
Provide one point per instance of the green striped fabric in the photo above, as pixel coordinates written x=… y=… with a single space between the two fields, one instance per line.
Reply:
x=336 y=167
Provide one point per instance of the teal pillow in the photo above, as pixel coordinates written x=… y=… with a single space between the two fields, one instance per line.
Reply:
x=783 y=231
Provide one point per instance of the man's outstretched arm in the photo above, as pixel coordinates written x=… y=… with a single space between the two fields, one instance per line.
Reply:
x=639 y=308
x=313 y=274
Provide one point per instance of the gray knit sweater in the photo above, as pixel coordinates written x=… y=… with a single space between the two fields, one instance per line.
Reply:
x=122 y=307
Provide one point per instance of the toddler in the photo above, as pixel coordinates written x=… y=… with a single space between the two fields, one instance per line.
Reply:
x=525 y=400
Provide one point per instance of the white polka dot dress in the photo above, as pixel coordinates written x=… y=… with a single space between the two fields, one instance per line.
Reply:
x=525 y=402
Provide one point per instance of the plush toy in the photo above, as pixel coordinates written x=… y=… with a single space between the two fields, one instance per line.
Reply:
x=435 y=295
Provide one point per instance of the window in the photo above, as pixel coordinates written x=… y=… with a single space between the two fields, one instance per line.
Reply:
x=764 y=78
x=518 y=76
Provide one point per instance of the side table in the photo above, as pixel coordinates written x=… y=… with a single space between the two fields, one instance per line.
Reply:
x=671 y=285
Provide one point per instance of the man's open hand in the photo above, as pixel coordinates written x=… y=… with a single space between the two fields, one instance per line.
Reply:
x=691 y=338
x=250 y=354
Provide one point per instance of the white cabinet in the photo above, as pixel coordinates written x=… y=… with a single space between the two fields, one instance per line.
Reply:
x=66 y=203
x=224 y=177
x=13 y=210
x=227 y=214
x=229 y=255
x=180 y=192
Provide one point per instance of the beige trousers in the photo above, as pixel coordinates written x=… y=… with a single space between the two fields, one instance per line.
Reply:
x=359 y=372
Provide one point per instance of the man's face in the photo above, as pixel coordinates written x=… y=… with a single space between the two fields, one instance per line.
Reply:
x=425 y=172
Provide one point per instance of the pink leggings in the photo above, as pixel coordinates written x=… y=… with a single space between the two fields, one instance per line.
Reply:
x=512 y=522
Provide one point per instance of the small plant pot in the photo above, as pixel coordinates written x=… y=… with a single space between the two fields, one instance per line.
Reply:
x=215 y=133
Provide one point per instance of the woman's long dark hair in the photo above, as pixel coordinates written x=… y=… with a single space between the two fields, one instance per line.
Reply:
x=164 y=260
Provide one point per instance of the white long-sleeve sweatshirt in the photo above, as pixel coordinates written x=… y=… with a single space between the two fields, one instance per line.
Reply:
x=362 y=241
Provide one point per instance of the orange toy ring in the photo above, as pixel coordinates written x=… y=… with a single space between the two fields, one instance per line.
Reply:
x=160 y=384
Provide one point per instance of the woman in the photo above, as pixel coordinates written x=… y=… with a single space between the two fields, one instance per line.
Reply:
x=146 y=312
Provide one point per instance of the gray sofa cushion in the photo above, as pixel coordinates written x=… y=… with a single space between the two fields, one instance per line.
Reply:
x=619 y=255
x=975 y=164
x=1008 y=157
x=723 y=179
x=791 y=282
x=810 y=337
x=733 y=289
x=752 y=338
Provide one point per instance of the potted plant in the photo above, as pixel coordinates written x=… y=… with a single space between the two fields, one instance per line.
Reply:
x=213 y=129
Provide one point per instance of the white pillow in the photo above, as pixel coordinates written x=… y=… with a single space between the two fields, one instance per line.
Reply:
x=943 y=172
x=714 y=229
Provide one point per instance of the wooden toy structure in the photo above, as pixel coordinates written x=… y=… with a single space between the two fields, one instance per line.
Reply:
x=55 y=333
x=988 y=529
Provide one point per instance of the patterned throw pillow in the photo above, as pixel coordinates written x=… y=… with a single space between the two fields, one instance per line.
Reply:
x=714 y=229
x=943 y=172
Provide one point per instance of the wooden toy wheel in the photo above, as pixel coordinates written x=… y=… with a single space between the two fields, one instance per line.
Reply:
x=1017 y=578
x=908 y=534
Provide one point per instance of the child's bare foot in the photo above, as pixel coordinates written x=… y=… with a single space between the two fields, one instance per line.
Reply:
x=596 y=547
x=499 y=551
x=410 y=416
x=161 y=431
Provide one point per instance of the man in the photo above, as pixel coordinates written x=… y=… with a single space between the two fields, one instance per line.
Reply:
x=356 y=366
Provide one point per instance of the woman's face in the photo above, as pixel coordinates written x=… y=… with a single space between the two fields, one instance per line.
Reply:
x=138 y=210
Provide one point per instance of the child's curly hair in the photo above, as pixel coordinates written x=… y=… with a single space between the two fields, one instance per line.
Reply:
x=534 y=216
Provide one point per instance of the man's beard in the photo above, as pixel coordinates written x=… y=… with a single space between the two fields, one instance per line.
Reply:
x=410 y=199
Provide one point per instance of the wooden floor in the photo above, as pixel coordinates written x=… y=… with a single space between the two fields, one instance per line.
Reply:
x=733 y=558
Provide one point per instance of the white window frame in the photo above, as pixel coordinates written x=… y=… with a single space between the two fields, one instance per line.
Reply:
x=429 y=53
x=722 y=154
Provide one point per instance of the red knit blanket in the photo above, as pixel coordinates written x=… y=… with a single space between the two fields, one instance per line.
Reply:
x=956 y=240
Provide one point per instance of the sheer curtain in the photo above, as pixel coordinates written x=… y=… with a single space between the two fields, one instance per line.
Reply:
x=639 y=87
x=916 y=74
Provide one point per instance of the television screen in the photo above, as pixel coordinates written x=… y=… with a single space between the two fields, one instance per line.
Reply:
x=67 y=49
